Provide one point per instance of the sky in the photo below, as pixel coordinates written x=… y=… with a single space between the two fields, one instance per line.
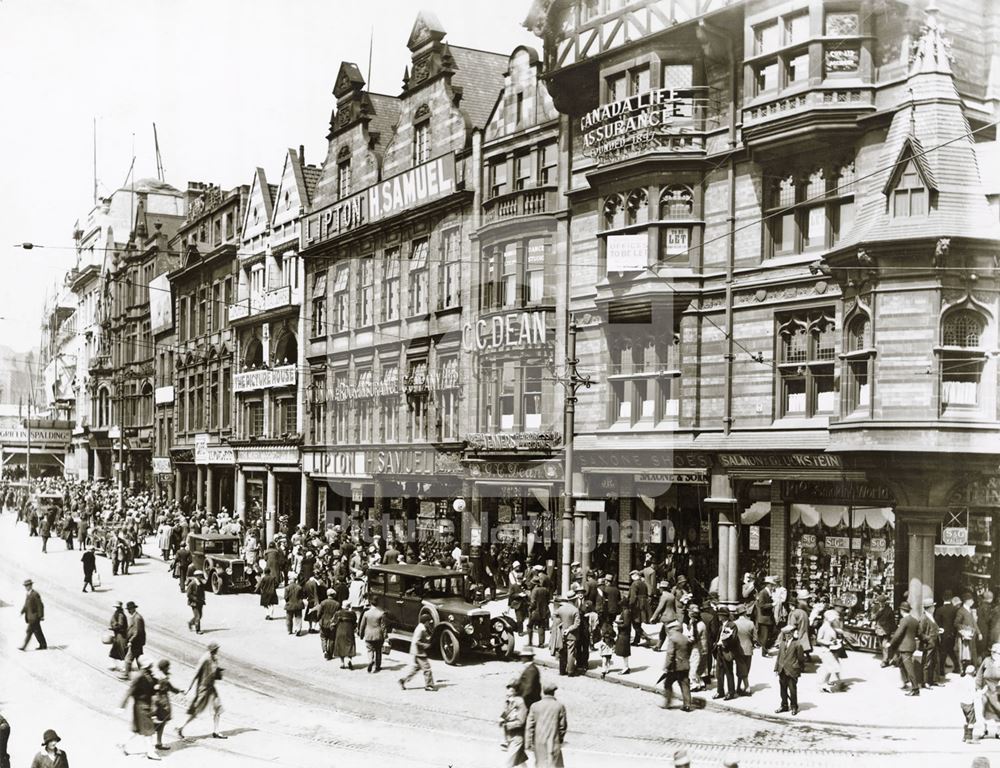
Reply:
x=230 y=84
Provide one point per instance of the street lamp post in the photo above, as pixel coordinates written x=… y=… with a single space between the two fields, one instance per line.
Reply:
x=572 y=522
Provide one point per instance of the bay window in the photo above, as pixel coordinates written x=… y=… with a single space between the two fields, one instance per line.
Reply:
x=642 y=375
x=860 y=357
x=513 y=396
x=811 y=212
x=807 y=348
x=962 y=357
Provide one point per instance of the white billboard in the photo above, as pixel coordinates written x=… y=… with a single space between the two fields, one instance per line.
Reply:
x=161 y=305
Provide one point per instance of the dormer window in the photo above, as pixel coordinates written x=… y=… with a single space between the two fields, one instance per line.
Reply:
x=422 y=142
x=909 y=198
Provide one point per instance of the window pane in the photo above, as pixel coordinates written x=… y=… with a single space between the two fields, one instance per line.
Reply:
x=918 y=202
x=798 y=69
x=678 y=76
x=815 y=226
x=638 y=81
x=825 y=393
x=795 y=395
x=901 y=203
x=767 y=37
x=767 y=77
x=786 y=243
x=797 y=29
x=845 y=220
x=842 y=23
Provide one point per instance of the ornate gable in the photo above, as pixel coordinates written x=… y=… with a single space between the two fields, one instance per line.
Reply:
x=426 y=29
x=257 y=217
x=349 y=80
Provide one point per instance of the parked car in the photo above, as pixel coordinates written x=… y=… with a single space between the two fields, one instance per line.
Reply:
x=410 y=593
x=218 y=555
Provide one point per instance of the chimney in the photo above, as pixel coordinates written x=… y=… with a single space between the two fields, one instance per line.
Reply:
x=302 y=154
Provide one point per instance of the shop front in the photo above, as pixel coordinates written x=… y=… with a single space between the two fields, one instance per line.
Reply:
x=516 y=511
x=214 y=464
x=269 y=487
x=341 y=482
x=843 y=548
x=653 y=504
x=415 y=490
x=163 y=477
x=47 y=448
x=964 y=559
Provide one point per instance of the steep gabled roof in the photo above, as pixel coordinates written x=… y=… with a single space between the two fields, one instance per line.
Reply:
x=480 y=74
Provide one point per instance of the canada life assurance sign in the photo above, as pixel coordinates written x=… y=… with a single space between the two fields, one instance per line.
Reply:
x=635 y=125
x=417 y=186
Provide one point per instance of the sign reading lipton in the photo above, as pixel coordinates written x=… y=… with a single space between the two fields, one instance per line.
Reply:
x=419 y=185
x=499 y=333
x=630 y=126
x=265 y=378
x=512 y=441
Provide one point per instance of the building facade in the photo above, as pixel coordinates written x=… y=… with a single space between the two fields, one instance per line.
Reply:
x=203 y=287
x=778 y=250
x=268 y=323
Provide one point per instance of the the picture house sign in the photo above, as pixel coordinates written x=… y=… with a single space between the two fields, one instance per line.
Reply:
x=638 y=124
x=424 y=184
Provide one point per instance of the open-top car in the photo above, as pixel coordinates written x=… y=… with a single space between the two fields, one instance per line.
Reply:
x=218 y=555
x=410 y=593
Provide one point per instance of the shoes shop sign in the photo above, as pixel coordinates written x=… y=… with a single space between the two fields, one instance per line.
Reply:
x=505 y=332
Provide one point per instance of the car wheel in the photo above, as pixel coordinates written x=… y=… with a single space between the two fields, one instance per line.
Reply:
x=504 y=640
x=449 y=646
x=217 y=585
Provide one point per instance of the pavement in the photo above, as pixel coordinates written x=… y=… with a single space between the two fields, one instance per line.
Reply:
x=285 y=705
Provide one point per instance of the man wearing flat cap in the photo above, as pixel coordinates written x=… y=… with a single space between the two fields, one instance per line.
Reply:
x=545 y=729
x=34 y=614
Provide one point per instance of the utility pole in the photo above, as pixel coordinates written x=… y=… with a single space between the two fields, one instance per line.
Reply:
x=572 y=521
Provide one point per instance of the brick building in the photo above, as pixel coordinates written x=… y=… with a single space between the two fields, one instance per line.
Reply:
x=780 y=247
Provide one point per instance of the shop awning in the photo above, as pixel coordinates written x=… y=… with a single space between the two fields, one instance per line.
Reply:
x=755 y=512
x=833 y=515
x=955 y=550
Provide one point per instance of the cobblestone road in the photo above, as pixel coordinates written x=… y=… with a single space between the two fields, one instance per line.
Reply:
x=285 y=705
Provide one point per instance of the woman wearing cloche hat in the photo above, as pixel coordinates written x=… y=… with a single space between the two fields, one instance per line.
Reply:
x=50 y=755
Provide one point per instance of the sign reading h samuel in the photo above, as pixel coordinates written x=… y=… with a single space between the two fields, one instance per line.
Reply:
x=423 y=184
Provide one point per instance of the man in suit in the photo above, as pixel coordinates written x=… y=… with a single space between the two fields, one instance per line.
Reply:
x=34 y=614
x=746 y=634
x=569 y=623
x=196 y=600
x=904 y=641
x=418 y=650
x=726 y=648
x=967 y=631
x=372 y=630
x=182 y=562
x=89 y=561
x=764 y=608
x=638 y=606
x=538 y=612
x=677 y=666
x=545 y=729
x=529 y=684
x=928 y=639
x=666 y=610
x=612 y=598
x=789 y=665
x=136 y=637
x=944 y=617
x=45 y=529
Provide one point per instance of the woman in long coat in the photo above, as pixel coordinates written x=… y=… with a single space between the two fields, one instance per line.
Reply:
x=119 y=634
x=141 y=692
x=343 y=638
x=268 y=588
x=162 y=709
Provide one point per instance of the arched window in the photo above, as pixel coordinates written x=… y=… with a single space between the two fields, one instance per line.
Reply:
x=146 y=404
x=637 y=206
x=859 y=334
x=287 y=350
x=676 y=202
x=254 y=355
x=962 y=328
x=614 y=212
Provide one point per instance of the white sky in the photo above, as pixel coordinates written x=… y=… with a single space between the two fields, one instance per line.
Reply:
x=230 y=85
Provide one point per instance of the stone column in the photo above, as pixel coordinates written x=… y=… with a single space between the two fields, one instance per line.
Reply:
x=723 y=501
x=469 y=521
x=241 y=494
x=272 y=505
x=98 y=467
x=307 y=512
x=178 y=488
x=209 y=490
x=921 y=533
x=199 y=488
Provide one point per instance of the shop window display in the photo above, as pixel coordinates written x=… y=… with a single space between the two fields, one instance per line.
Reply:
x=847 y=554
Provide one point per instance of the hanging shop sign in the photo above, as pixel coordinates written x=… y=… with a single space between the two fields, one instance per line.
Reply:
x=638 y=124
x=754 y=534
x=627 y=253
x=955 y=536
x=161 y=465
x=481 y=442
x=417 y=186
x=282 y=376
x=163 y=395
x=505 y=332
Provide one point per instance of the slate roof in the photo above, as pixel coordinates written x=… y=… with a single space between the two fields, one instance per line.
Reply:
x=310 y=178
x=383 y=121
x=480 y=74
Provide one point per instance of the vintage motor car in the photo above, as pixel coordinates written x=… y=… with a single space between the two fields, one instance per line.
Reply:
x=218 y=555
x=410 y=593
